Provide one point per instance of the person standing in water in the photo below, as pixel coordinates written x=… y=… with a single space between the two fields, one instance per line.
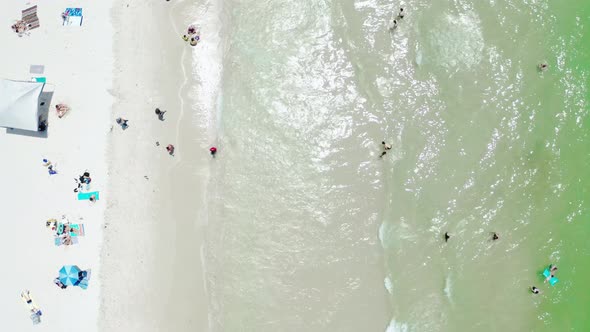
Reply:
x=386 y=146
x=447 y=236
x=400 y=15
x=535 y=290
x=393 y=26
x=495 y=236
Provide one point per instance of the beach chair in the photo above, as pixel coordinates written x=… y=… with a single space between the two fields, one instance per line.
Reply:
x=73 y=16
x=36 y=319
x=30 y=17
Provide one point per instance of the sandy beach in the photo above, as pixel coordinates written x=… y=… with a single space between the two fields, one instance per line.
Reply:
x=154 y=219
x=77 y=64
x=143 y=250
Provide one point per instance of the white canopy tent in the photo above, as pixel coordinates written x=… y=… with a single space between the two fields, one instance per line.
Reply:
x=19 y=104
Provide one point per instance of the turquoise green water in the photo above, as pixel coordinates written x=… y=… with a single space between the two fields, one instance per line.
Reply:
x=310 y=230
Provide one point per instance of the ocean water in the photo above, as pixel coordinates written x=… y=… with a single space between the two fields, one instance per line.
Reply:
x=309 y=230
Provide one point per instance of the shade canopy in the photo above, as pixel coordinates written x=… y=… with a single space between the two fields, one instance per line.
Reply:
x=19 y=104
x=69 y=275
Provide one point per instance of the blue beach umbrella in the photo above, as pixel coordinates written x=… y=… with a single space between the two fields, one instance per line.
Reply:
x=68 y=275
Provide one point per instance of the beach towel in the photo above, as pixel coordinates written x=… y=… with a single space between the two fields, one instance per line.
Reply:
x=36 y=69
x=77 y=230
x=39 y=79
x=84 y=282
x=59 y=241
x=86 y=196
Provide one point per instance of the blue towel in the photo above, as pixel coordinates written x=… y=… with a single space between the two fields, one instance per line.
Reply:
x=85 y=196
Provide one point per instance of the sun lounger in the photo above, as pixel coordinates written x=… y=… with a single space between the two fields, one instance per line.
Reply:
x=39 y=79
x=86 y=196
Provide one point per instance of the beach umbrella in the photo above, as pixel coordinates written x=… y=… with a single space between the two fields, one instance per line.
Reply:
x=68 y=275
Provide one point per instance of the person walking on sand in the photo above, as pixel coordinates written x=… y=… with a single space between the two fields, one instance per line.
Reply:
x=213 y=151
x=170 y=149
x=123 y=123
x=160 y=114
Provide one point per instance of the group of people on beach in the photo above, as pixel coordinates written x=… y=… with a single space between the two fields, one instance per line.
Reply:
x=193 y=35
x=170 y=147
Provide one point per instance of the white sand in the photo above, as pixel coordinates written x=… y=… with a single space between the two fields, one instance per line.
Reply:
x=78 y=63
x=151 y=255
x=147 y=234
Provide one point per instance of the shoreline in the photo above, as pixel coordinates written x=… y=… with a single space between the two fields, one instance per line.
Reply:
x=165 y=213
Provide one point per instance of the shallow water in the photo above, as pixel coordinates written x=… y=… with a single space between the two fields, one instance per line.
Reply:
x=310 y=230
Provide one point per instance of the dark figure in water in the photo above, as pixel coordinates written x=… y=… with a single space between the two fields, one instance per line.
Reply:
x=447 y=236
x=535 y=290
x=382 y=154
x=495 y=236
x=400 y=15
